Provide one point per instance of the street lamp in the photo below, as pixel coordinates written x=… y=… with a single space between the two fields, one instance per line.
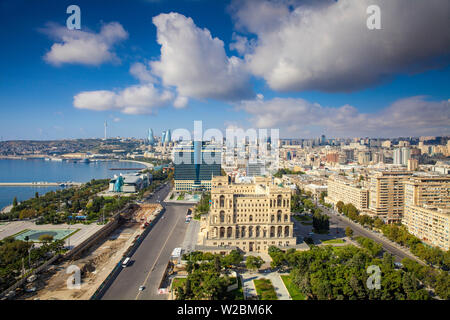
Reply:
x=29 y=255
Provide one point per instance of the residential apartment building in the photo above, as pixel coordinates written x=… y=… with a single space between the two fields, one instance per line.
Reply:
x=249 y=216
x=427 y=209
x=347 y=191
x=387 y=193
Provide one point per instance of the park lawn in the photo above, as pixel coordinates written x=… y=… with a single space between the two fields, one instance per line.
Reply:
x=293 y=291
x=332 y=241
x=265 y=289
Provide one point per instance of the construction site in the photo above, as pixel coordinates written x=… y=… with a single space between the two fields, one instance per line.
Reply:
x=95 y=263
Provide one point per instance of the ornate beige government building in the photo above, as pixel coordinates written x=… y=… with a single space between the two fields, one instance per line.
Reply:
x=249 y=216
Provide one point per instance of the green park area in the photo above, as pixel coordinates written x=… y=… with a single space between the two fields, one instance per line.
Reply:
x=333 y=241
x=178 y=283
x=294 y=292
x=209 y=277
x=265 y=289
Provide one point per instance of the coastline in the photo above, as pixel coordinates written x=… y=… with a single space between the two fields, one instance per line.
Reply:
x=5 y=208
x=147 y=164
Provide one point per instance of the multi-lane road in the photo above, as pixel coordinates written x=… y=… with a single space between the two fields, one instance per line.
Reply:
x=149 y=262
x=341 y=222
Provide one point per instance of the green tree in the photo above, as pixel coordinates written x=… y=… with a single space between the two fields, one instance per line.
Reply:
x=234 y=258
x=46 y=238
x=340 y=206
x=349 y=232
x=378 y=223
x=254 y=263
x=15 y=202
x=321 y=222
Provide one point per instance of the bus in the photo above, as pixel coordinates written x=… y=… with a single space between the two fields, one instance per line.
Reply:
x=125 y=262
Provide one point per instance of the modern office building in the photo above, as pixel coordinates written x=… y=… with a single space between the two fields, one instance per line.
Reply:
x=347 y=191
x=386 y=194
x=195 y=164
x=168 y=136
x=151 y=138
x=427 y=209
x=249 y=216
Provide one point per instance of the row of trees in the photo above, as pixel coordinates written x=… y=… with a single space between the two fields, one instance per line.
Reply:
x=400 y=235
x=202 y=206
x=301 y=202
x=283 y=171
x=17 y=256
x=432 y=255
x=56 y=206
x=62 y=205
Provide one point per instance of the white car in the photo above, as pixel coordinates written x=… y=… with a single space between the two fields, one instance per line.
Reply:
x=141 y=288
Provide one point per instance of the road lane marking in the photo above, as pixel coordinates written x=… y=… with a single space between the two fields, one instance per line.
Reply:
x=157 y=258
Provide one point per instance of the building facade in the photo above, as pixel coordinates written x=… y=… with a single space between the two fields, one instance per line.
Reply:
x=427 y=209
x=387 y=193
x=195 y=164
x=249 y=216
x=341 y=189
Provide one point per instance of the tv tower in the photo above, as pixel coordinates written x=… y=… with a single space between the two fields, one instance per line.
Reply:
x=106 y=125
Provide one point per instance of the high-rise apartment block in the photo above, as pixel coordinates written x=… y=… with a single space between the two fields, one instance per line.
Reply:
x=401 y=156
x=413 y=164
x=427 y=209
x=386 y=194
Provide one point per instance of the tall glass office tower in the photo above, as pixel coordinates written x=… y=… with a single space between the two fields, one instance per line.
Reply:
x=151 y=138
x=195 y=164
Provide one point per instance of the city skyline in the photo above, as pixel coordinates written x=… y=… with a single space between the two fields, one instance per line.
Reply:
x=61 y=84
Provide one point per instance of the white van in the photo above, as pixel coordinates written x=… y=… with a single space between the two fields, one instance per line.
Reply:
x=125 y=262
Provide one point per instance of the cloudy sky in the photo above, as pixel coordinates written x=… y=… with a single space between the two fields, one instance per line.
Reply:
x=305 y=67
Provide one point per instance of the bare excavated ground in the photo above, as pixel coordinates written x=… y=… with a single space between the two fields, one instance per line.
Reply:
x=95 y=265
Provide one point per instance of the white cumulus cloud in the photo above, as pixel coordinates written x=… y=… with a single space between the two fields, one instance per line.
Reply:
x=326 y=45
x=83 y=47
x=138 y=99
x=141 y=72
x=196 y=63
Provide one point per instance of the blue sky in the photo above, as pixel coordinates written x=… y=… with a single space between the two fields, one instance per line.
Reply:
x=401 y=90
